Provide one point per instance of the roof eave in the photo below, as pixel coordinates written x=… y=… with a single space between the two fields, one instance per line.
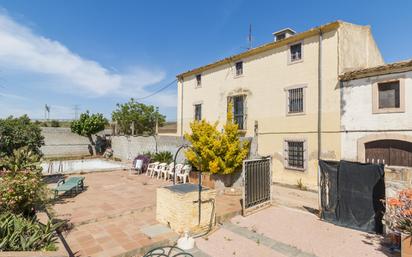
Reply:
x=386 y=69
x=297 y=37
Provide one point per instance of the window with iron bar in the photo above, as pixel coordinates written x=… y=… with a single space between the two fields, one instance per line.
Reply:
x=296 y=100
x=239 y=115
x=295 y=154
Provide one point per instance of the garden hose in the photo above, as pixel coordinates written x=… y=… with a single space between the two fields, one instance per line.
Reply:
x=211 y=219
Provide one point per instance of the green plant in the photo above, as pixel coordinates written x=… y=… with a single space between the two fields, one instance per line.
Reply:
x=214 y=151
x=164 y=156
x=21 y=159
x=55 y=123
x=19 y=132
x=22 y=191
x=143 y=117
x=300 y=185
x=18 y=233
x=21 y=185
x=88 y=125
x=150 y=155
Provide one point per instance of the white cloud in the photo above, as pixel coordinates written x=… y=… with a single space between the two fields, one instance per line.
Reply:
x=11 y=96
x=23 y=51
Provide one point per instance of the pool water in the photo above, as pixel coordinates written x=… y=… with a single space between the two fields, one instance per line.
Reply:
x=77 y=166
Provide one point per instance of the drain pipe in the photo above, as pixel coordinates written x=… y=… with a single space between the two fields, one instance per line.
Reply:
x=320 y=94
x=181 y=108
x=319 y=113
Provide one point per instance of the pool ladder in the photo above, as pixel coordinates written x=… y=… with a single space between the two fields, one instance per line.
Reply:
x=50 y=169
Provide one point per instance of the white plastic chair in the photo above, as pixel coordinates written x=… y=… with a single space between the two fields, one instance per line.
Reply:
x=158 y=170
x=166 y=170
x=170 y=172
x=183 y=175
x=150 y=168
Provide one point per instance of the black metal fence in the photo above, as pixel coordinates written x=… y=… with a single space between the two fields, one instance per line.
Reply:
x=257 y=178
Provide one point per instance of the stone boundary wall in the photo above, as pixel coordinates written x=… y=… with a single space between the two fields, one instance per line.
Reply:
x=128 y=147
x=61 y=142
x=396 y=179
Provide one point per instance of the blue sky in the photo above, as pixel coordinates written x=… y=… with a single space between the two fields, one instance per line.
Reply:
x=98 y=53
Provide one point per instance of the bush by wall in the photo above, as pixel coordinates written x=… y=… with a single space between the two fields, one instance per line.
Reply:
x=214 y=151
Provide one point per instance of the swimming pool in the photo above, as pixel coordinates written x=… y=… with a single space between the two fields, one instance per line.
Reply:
x=80 y=166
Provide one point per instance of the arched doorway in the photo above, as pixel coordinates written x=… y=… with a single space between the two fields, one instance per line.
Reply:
x=389 y=152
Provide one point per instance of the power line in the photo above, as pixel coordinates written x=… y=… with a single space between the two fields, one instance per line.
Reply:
x=76 y=109
x=158 y=91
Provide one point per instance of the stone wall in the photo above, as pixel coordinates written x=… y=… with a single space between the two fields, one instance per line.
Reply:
x=128 y=147
x=184 y=198
x=61 y=142
x=396 y=179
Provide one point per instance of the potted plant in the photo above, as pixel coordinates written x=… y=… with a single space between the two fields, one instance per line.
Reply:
x=217 y=154
x=398 y=219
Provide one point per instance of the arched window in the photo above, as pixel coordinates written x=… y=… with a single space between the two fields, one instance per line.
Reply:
x=389 y=152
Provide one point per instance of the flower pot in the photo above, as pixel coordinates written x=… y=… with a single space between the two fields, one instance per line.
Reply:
x=207 y=181
x=406 y=245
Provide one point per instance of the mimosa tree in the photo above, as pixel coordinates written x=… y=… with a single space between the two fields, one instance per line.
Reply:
x=217 y=152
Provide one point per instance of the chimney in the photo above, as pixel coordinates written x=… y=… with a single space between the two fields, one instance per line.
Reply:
x=282 y=34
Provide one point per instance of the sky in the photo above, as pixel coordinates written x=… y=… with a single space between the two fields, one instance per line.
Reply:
x=94 y=54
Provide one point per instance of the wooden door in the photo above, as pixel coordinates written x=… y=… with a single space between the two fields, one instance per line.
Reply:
x=389 y=152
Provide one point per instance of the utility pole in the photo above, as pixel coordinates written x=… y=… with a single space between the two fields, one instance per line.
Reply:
x=76 y=109
x=157 y=121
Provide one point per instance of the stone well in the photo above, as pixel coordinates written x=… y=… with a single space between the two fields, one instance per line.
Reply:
x=177 y=206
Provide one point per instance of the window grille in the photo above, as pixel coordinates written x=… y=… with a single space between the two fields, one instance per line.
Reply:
x=295 y=154
x=296 y=100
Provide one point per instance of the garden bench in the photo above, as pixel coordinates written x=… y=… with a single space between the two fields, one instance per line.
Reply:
x=72 y=184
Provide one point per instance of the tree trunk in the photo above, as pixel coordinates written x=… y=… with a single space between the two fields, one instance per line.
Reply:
x=92 y=146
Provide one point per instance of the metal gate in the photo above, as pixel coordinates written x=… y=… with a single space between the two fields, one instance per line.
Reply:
x=257 y=180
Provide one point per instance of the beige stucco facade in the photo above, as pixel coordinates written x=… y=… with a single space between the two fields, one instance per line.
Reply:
x=267 y=74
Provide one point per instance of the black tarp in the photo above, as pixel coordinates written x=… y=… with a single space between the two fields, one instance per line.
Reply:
x=352 y=194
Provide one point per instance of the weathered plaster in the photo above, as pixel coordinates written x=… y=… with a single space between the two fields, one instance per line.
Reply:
x=362 y=124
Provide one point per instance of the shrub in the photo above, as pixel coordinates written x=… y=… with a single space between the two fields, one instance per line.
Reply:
x=214 y=151
x=398 y=215
x=19 y=132
x=22 y=191
x=21 y=159
x=164 y=156
x=18 y=233
x=55 y=123
x=21 y=185
x=149 y=155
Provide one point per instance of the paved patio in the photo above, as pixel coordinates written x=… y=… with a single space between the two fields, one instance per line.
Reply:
x=282 y=231
x=115 y=215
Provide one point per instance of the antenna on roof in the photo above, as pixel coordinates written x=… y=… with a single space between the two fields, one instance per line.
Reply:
x=250 y=37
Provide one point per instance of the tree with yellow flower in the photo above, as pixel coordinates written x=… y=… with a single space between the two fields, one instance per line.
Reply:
x=217 y=152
